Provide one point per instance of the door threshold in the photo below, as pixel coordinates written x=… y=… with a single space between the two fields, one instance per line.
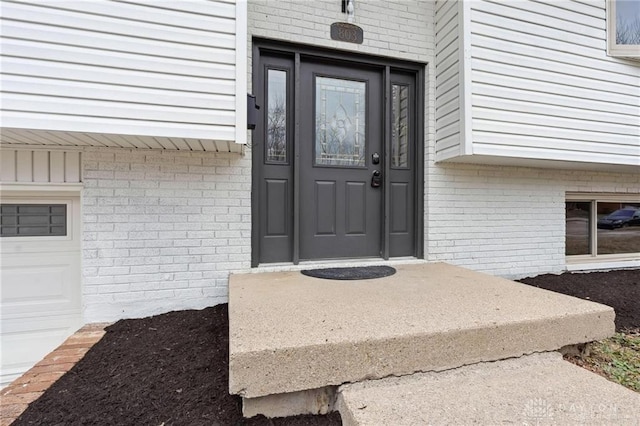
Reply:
x=334 y=263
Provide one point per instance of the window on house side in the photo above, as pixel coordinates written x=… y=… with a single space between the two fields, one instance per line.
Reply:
x=602 y=227
x=623 y=28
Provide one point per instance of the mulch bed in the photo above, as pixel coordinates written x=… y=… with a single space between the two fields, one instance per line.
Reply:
x=172 y=369
x=618 y=289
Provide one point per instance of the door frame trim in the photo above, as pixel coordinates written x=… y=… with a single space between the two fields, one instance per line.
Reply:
x=385 y=65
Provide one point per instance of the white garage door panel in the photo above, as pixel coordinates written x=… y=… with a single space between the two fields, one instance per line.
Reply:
x=40 y=279
x=32 y=284
x=30 y=341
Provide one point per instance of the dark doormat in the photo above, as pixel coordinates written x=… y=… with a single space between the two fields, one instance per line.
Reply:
x=355 y=273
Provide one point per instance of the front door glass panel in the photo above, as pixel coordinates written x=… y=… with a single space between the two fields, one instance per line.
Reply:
x=340 y=122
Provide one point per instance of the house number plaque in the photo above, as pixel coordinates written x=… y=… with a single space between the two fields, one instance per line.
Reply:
x=350 y=33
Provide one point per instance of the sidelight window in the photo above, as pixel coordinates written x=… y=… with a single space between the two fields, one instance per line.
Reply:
x=277 y=113
x=400 y=126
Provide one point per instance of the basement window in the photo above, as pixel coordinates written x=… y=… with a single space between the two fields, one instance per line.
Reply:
x=623 y=28
x=606 y=227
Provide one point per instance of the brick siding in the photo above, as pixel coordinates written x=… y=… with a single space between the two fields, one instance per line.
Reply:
x=507 y=221
x=397 y=29
x=162 y=230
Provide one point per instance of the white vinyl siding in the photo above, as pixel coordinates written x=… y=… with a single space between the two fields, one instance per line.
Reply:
x=40 y=166
x=536 y=85
x=448 y=74
x=544 y=88
x=151 y=69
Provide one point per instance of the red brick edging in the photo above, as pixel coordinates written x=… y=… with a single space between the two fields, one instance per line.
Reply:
x=16 y=397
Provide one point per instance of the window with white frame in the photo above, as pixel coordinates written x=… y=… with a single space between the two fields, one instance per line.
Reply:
x=604 y=226
x=623 y=28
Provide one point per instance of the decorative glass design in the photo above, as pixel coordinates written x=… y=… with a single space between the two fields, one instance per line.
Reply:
x=33 y=220
x=340 y=122
x=276 y=116
x=400 y=123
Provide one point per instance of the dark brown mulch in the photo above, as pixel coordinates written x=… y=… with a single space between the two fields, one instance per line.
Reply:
x=171 y=369
x=618 y=289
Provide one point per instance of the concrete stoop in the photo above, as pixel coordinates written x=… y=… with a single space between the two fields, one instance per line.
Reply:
x=539 y=389
x=295 y=339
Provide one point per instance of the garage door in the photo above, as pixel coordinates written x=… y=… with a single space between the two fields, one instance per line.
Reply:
x=41 y=296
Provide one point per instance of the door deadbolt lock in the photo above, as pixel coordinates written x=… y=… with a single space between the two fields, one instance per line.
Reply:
x=375 y=158
x=376 y=179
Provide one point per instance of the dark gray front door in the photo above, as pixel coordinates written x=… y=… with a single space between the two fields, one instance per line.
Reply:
x=341 y=149
x=336 y=158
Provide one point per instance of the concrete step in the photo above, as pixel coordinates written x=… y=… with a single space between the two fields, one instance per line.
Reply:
x=291 y=333
x=539 y=389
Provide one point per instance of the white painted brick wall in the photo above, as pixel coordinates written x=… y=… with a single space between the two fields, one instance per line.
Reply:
x=507 y=221
x=396 y=28
x=162 y=230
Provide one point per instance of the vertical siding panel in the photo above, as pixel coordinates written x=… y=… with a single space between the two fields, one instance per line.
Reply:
x=24 y=166
x=79 y=174
x=7 y=165
x=56 y=166
x=41 y=166
x=72 y=167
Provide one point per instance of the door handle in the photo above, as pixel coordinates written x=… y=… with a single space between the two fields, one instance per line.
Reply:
x=376 y=179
